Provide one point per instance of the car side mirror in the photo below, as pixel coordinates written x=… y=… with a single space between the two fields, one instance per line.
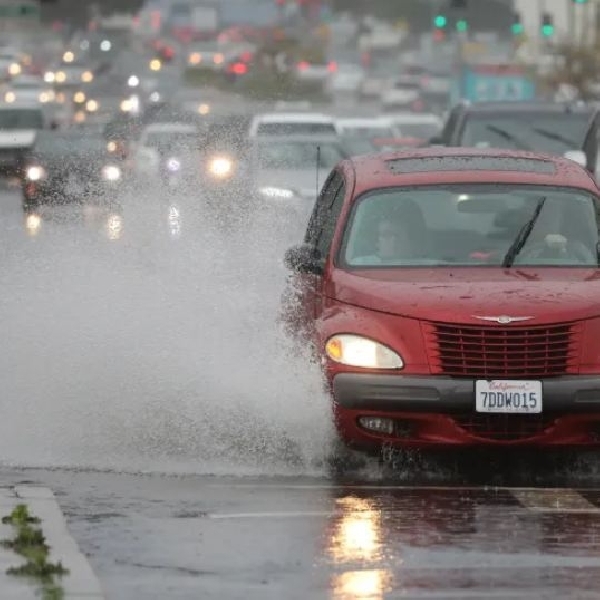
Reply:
x=304 y=259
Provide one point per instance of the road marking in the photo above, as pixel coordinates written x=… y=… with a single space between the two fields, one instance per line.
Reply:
x=554 y=501
x=272 y=515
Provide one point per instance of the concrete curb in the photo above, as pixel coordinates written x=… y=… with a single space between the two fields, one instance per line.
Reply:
x=81 y=582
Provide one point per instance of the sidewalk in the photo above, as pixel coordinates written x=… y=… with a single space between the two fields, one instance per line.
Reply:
x=80 y=583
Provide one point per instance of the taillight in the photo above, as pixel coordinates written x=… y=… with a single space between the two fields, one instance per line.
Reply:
x=239 y=68
x=302 y=66
x=332 y=67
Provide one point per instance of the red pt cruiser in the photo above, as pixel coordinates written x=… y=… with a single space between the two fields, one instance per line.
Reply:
x=453 y=296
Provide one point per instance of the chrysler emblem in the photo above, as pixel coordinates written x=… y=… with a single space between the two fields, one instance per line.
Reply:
x=503 y=319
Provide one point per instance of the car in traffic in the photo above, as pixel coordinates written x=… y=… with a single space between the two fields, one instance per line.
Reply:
x=551 y=127
x=70 y=167
x=451 y=295
x=19 y=124
x=290 y=123
x=289 y=171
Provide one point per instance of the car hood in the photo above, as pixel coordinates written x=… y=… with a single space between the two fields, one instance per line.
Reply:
x=18 y=138
x=302 y=182
x=459 y=295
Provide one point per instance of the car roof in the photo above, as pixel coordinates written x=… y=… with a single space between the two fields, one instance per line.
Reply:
x=378 y=170
x=530 y=106
x=313 y=139
x=289 y=117
x=363 y=122
x=21 y=104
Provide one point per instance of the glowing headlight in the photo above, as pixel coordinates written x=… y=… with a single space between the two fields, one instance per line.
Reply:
x=173 y=164
x=133 y=81
x=220 y=167
x=79 y=97
x=92 y=106
x=195 y=58
x=154 y=97
x=60 y=77
x=357 y=351
x=114 y=227
x=33 y=223
x=14 y=69
x=49 y=77
x=111 y=173
x=111 y=146
x=273 y=192
x=204 y=109
x=47 y=97
x=35 y=173
x=68 y=57
x=155 y=65
x=87 y=77
x=9 y=97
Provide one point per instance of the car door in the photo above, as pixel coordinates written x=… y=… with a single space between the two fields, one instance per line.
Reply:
x=302 y=301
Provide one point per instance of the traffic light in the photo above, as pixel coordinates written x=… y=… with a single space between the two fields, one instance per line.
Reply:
x=462 y=26
x=440 y=21
x=547 y=25
x=517 y=26
x=579 y=1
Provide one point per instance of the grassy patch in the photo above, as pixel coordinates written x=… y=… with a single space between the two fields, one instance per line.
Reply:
x=30 y=543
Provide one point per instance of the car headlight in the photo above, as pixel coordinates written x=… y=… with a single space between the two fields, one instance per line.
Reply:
x=111 y=173
x=173 y=164
x=49 y=77
x=87 y=77
x=274 y=192
x=35 y=173
x=358 y=351
x=220 y=167
x=9 y=97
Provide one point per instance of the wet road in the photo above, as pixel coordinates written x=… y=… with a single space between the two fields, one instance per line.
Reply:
x=194 y=537
x=112 y=386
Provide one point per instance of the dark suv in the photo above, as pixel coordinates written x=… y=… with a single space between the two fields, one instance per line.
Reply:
x=549 y=127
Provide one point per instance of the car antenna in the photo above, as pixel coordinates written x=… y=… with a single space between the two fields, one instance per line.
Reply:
x=317 y=171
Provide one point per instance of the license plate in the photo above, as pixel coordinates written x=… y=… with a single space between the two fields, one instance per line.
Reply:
x=508 y=397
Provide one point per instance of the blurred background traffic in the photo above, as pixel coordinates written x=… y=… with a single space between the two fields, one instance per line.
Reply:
x=247 y=104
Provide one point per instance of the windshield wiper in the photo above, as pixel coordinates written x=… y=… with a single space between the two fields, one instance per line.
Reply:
x=552 y=135
x=523 y=236
x=508 y=136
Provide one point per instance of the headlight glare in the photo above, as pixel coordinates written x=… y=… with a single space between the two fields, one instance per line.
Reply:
x=220 y=167
x=35 y=173
x=173 y=164
x=111 y=173
x=358 y=351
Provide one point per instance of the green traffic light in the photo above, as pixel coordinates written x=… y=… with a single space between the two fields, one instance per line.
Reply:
x=580 y=1
x=462 y=26
x=517 y=28
x=440 y=21
x=548 y=30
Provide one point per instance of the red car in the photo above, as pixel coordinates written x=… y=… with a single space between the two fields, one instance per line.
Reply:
x=453 y=298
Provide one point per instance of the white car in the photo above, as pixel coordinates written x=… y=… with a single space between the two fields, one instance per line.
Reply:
x=373 y=128
x=285 y=123
x=416 y=125
x=347 y=79
x=28 y=88
x=147 y=151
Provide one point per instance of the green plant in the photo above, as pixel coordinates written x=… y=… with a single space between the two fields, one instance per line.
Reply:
x=30 y=543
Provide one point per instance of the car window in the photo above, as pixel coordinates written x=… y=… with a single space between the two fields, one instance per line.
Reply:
x=322 y=211
x=298 y=155
x=305 y=128
x=11 y=119
x=548 y=133
x=471 y=225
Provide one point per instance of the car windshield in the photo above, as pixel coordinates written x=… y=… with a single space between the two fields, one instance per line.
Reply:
x=21 y=118
x=472 y=225
x=27 y=85
x=166 y=139
x=368 y=132
x=69 y=144
x=422 y=131
x=298 y=155
x=301 y=128
x=549 y=133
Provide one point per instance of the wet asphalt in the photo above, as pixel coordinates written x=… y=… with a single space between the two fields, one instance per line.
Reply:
x=152 y=536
